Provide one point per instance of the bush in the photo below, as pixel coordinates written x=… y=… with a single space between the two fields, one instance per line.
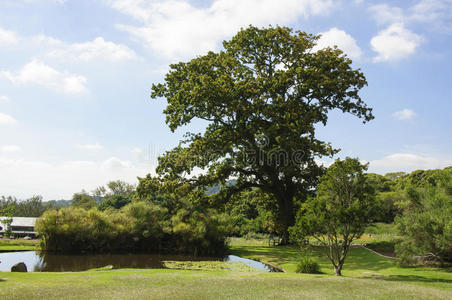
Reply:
x=136 y=227
x=307 y=265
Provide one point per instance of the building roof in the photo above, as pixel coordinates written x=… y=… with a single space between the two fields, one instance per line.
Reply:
x=22 y=221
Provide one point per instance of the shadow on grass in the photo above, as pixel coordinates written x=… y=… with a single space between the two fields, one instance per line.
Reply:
x=410 y=278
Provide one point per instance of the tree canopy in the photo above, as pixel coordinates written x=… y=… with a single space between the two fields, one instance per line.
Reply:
x=261 y=97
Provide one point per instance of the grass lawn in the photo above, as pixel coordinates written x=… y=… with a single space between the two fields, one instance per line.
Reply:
x=180 y=284
x=17 y=245
x=360 y=263
x=366 y=275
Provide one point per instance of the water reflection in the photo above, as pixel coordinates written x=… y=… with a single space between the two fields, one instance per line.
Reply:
x=252 y=263
x=50 y=262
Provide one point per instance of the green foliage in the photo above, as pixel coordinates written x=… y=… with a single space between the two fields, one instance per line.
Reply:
x=115 y=188
x=250 y=214
x=114 y=201
x=165 y=193
x=32 y=207
x=262 y=97
x=83 y=200
x=379 y=182
x=307 y=265
x=7 y=213
x=136 y=227
x=115 y=195
x=426 y=223
x=393 y=188
x=387 y=195
x=424 y=178
x=389 y=203
x=343 y=208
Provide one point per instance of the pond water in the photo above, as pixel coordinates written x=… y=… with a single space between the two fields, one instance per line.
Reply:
x=50 y=262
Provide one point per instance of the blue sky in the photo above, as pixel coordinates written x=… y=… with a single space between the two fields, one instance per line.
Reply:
x=75 y=80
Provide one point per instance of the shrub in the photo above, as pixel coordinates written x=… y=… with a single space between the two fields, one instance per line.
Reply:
x=307 y=265
x=136 y=227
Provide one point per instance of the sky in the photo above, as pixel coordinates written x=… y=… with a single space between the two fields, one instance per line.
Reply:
x=76 y=75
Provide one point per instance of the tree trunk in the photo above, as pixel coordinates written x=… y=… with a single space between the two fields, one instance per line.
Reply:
x=286 y=217
x=338 y=270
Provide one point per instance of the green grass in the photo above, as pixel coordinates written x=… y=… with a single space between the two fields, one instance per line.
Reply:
x=17 y=245
x=381 y=229
x=208 y=266
x=173 y=284
x=360 y=263
x=366 y=275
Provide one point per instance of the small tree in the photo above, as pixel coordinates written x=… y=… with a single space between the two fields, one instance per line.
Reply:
x=7 y=212
x=343 y=207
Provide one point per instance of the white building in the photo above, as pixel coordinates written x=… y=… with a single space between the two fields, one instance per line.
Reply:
x=20 y=226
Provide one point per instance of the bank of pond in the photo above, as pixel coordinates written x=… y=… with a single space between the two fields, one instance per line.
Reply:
x=52 y=262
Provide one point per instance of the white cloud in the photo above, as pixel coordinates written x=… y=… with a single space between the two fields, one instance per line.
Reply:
x=8 y=38
x=431 y=10
x=438 y=13
x=341 y=39
x=137 y=150
x=177 y=29
x=24 y=178
x=91 y=147
x=395 y=43
x=98 y=49
x=115 y=164
x=6 y=119
x=4 y=98
x=36 y=72
x=407 y=162
x=404 y=114
x=386 y=14
x=10 y=149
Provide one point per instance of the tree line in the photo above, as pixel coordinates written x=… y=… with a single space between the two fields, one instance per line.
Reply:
x=32 y=207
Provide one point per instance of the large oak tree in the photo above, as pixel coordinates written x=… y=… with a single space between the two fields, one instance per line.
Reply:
x=262 y=97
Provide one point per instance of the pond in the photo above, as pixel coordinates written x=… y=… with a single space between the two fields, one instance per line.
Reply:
x=50 y=262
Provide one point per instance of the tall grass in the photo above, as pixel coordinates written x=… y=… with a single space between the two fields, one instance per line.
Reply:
x=137 y=227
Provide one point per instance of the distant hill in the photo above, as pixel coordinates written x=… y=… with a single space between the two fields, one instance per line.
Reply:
x=59 y=203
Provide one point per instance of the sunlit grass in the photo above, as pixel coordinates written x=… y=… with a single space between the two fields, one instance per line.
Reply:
x=179 y=284
x=360 y=263
x=17 y=244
